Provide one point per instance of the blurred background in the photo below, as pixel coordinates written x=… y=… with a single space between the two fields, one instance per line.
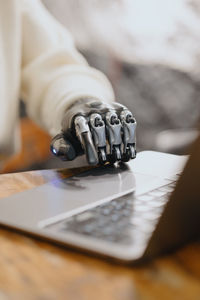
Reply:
x=150 y=51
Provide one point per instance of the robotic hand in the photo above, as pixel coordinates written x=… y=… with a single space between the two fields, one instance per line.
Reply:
x=104 y=132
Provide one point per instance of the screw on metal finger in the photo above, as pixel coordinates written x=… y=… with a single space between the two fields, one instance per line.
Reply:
x=117 y=152
x=114 y=127
x=99 y=136
x=102 y=155
x=84 y=135
x=132 y=151
x=129 y=134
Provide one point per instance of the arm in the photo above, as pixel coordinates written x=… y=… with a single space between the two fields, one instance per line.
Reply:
x=54 y=74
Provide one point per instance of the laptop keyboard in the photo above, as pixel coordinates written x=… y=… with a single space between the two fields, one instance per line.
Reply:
x=124 y=220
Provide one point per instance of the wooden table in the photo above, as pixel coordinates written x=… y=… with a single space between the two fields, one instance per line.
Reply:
x=33 y=269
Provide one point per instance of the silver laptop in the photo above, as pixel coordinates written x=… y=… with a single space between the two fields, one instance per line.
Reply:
x=128 y=212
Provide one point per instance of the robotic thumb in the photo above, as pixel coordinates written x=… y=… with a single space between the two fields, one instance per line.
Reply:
x=62 y=148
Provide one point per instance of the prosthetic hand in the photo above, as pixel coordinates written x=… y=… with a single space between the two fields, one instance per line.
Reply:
x=104 y=132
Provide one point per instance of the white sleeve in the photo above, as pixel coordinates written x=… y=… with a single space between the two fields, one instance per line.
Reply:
x=54 y=73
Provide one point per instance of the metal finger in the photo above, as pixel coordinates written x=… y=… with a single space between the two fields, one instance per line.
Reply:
x=129 y=134
x=85 y=137
x=97 y=126
x=113 y=126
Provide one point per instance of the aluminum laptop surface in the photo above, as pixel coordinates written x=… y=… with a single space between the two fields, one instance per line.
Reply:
x=97 y=210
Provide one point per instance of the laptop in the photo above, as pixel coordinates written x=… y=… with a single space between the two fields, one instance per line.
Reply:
x=130 y=212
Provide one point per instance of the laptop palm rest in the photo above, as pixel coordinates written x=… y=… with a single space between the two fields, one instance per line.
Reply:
x=58 y=197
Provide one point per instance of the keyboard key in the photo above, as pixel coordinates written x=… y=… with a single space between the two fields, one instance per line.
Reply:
x=159 y=203
x=145 y=197
x=157 y=193
x=115 y=217
x=106 y=211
